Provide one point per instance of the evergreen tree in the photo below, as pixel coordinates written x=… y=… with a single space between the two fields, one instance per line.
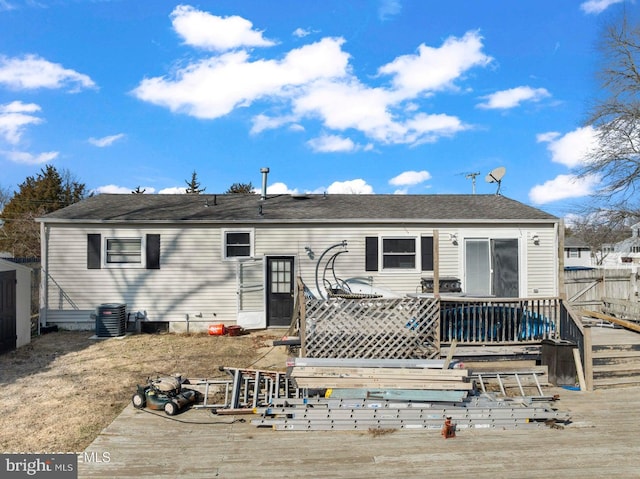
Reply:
x=193 y=186
x=47 y=192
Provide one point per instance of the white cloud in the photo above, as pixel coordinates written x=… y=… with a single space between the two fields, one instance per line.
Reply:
x=389 y=8
x=32 y=72
x=29 y=158
x=301 y=32
x=174 y=190
x=410 y=178
x=315 y=82
x=263 y=122
x=571 y=149
x=563 y=187
x=331 y=144
x=113 y=189
x=213 y=87
x=352 y=187
x=351 y=105
x=15 y=117
x=547 y=137
x=201 y=29
x=278 y=188
x=434 y=69
x=597 y=6
x=6 y=6
x=513 y=97
x=106 y=140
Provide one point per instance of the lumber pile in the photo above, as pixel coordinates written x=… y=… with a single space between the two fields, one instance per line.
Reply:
x=401 y=379
x=354 y=393
x=319 y=377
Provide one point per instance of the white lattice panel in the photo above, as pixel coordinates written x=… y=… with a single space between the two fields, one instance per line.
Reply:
x=372 y=328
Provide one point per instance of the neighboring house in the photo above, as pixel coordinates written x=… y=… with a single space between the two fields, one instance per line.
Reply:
x=577 y=253
x=15 y=305
x=234 y=258
x=624 y=254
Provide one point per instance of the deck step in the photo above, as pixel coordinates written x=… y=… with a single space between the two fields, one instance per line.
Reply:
x=616 y=366
x=617 y=382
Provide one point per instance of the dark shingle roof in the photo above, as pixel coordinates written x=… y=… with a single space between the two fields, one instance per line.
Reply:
x=296 y=208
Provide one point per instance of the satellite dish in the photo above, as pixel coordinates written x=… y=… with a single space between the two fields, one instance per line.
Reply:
x=495 y=176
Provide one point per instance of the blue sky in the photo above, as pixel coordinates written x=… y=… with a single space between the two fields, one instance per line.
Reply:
x=359 y=96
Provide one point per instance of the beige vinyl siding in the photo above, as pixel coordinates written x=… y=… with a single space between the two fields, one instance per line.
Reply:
x=292 y=240
x=195 y=280
x=542 y=260
x=191 y=279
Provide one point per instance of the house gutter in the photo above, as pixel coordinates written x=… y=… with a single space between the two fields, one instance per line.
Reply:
x=297 y=221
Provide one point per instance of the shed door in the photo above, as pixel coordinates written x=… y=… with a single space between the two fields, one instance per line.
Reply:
x=279 y=290
x=7 y=311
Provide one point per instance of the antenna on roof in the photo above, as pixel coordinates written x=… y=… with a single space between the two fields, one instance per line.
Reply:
x=472 y=177
x=495 y=176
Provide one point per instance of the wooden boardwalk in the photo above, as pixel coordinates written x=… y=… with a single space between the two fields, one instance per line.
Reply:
x=602 y=441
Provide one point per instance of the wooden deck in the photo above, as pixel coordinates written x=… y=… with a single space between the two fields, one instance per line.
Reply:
x=602 y=441
x=602 y=336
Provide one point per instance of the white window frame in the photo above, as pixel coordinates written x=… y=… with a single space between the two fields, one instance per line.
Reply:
x=224 y=244
x=416 y=254
x=142 y=264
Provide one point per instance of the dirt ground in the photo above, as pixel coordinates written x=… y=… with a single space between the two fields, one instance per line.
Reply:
x=61 y=390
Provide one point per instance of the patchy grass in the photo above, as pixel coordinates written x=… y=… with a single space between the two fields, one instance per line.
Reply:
x=61 y=390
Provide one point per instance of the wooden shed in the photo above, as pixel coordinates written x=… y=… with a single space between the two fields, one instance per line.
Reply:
x=15 y=305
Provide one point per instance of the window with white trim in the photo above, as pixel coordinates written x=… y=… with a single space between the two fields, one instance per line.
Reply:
x=238 y=244
x=398 y=253
x=123 y=251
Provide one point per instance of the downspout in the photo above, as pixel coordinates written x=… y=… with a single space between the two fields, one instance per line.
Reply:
x=44 y=271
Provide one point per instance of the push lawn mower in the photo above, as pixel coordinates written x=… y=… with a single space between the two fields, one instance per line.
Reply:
x=164 y=393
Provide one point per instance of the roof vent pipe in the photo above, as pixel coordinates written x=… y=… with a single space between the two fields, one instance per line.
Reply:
x=265 y=172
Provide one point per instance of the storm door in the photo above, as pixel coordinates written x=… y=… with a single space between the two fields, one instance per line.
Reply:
x=491 y=267
x=280 y=289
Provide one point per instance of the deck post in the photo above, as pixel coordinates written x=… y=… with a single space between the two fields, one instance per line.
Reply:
x=588 y=357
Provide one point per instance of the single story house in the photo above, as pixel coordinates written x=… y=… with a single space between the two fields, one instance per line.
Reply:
x=193 y=260
x=15 y=305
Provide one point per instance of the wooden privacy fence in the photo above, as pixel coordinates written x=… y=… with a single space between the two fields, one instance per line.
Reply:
x=587 y=288
x=401 y=328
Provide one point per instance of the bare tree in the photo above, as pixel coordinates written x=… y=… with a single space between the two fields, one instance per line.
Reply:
x=5 y=196
x=599 y=228
x=616 y=117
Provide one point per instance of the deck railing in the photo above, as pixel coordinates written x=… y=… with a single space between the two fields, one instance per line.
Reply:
x=572 y=329
x=499 y=320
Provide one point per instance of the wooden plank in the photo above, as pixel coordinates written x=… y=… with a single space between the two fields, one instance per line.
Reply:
x=439 y=374
x=620 y=322
x=336 y=383
x=579 y=370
